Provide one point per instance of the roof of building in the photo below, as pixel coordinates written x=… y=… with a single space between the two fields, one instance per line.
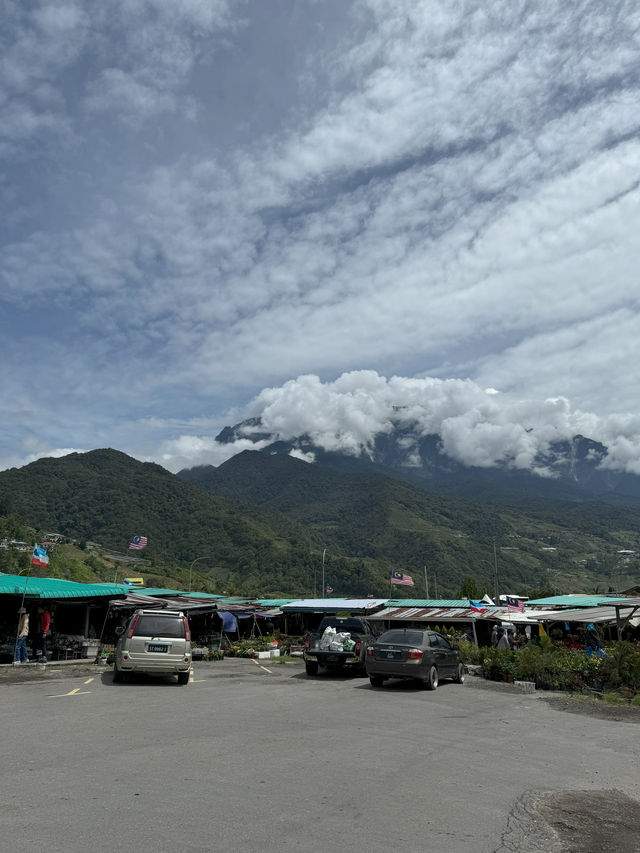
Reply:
x=54 y=588
x=333 y=605
x=576 y=600
x=429 y=602
x=602 y=615
x=454 y=614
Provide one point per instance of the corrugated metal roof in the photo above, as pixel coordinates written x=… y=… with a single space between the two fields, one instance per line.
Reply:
x=333 y=605
x=596 y=614
x=426 y=614
x=451 y=614
x=576 y=600
x=201 y=595
x=428 y=602
x=54 y=588
x=274 y=602
x=152 y=590
x=199 y=604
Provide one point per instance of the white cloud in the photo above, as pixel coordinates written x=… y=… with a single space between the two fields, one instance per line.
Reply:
x=189 y=451
x=477 y=427
x=207 y=199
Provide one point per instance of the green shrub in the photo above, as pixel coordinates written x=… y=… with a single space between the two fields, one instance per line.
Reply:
x=614 y=698
x=469 y=652
x=555 y=667
x=499 y=664
x=621 y=666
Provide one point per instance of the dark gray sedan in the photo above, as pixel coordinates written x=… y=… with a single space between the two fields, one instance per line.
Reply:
x=424 y=656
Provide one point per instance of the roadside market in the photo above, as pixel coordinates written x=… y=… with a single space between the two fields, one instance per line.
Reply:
x=77 y=613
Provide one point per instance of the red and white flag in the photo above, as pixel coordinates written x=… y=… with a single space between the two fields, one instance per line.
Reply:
x=401 y=578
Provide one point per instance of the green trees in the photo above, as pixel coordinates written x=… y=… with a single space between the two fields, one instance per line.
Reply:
x=470 y=589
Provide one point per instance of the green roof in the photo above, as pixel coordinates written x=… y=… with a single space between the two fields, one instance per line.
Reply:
x=52 y=588
x=200 y=595
x=151 y=590
x=576 y=600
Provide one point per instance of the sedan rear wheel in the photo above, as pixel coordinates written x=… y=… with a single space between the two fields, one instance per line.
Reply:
x=432 y=679
x=376 y=680
x=183 y=677
x=459 y=676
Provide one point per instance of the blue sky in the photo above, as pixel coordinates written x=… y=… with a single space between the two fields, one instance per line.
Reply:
x=215 y=209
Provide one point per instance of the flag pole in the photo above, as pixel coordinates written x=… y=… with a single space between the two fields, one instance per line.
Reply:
x=24 y=595
x=426 y=581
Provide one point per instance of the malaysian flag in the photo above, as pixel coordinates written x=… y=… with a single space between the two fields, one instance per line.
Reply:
x=514 y=604
x=400 y=578
x=138 y=542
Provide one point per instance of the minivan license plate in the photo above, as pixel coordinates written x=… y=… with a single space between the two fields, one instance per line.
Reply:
x=155 y=648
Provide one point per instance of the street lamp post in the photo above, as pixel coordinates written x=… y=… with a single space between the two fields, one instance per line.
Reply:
x=191 y=568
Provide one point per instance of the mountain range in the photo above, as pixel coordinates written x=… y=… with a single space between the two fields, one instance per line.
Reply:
x=266 y=523
x=572 y=470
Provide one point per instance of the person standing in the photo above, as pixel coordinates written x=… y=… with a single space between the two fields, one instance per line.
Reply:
x=20 y=654
x=593 y=644
x=42 y=630
x=503 y=642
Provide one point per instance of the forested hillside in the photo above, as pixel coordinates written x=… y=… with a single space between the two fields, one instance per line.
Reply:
x=261 y=524
x=559 y=545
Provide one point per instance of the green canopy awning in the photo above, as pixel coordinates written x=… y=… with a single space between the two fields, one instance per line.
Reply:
x=54 y=588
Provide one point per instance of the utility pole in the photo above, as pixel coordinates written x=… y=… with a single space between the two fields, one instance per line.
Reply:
x=323 y=586
x=495 y=565
x=426 y=581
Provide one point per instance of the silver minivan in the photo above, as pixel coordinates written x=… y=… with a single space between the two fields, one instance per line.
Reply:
x=156 y=642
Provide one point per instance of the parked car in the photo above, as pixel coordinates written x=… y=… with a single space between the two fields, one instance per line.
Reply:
x=320 y=651
x=424 y=656
x=155 y=642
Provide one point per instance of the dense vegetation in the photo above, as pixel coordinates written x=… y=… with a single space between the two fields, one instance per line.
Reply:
x=551 y=666
x=262 y=523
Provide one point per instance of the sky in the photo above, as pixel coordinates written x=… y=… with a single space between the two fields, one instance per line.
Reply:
x=333 y=215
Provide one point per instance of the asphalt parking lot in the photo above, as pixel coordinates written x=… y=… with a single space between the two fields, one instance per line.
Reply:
x=252 y=757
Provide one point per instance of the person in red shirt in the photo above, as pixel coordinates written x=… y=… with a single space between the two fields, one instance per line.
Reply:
x=43 y=627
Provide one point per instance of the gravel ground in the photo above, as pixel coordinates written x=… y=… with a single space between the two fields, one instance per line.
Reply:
x=593 y=708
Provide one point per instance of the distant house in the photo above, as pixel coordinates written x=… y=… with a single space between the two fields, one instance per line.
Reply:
x=18 y=546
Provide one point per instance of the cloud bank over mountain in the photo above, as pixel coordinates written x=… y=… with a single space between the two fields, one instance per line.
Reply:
x=477 y=426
